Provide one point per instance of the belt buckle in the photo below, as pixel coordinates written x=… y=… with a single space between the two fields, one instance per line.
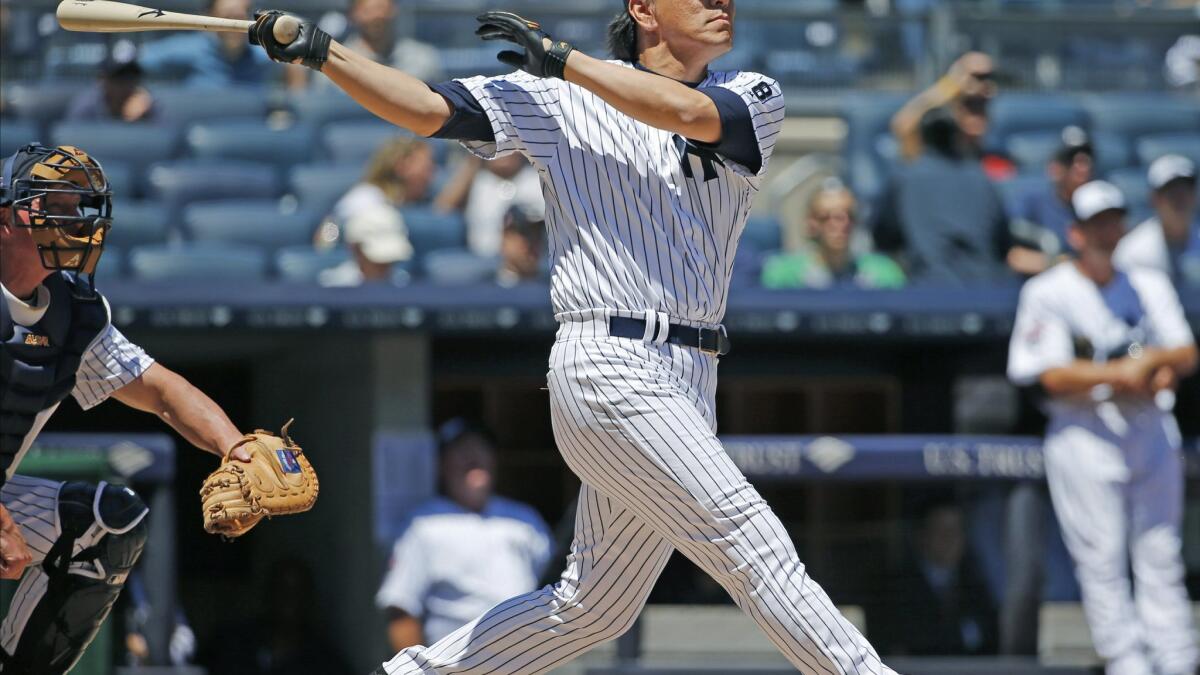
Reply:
x=718 y=333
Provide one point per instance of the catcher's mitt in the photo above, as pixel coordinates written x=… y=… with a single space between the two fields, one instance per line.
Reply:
x=276 y=481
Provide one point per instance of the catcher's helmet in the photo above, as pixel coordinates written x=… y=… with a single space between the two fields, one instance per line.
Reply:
x=68 y=237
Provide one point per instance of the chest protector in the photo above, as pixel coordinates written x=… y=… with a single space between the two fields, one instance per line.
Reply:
x=38 y=363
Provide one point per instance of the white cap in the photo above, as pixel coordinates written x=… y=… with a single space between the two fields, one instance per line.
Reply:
x=1168 y=168
x=381 y=234
x=1096 y=197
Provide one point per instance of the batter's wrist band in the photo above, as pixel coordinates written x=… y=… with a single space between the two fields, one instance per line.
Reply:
x=555 y=64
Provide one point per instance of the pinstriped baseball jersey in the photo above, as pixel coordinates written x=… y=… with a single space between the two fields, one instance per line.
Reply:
x=639 y=218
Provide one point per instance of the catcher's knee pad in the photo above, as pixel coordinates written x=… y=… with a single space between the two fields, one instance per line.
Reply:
x=103 y=533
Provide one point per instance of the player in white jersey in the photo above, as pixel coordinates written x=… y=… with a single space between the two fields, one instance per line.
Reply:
x=1105 y=346
x=649 y=163
x=71 y=544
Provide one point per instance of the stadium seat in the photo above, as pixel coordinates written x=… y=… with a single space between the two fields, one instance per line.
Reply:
x=764 y=233
x=17 y=133
x=303 y=264
x=1133 y=184
x=333 y=106
x=1150 y=148
x=429 y=230
x=40 y=101
x=258 y=222
x=355 y=141
x=1032 y=150
x=458 y=267
x=867 y=116
x=1013 y=190
x=319 y=186
x=139 y=145
x=1113 y=151
x=251 y=140
x=181 y=182
x=120 y=179
x=198 y=262
x=139 y=224
x=186 y=105
x=111 y=265
x=1013 y=113
x=1133 y=116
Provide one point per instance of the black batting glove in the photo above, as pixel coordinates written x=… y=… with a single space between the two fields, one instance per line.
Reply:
x=537 y=59
x=311 y=46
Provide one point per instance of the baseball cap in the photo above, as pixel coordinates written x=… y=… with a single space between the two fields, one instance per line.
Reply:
x=381 y=235
x=1096 y=197
x=1170 y=167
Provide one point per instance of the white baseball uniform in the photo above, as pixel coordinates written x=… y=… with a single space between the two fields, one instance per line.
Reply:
x=642 y=224
x=1114 y=463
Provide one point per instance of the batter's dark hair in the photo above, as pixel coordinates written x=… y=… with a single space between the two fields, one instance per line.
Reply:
x=622 y=36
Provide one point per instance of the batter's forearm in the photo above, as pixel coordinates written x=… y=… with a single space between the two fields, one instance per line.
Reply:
x=653 y=99
x=387 y=92
x=1183 y=360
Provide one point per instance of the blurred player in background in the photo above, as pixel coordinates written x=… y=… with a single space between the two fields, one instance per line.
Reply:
x=71 y=544
x=1167 y=241
x=649 y=164
x=464 y=551
x=1104 y=345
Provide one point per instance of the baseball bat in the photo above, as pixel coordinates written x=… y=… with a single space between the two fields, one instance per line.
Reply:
x=103 y=16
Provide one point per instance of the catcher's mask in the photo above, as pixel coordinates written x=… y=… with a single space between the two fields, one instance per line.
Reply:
x=69 y=237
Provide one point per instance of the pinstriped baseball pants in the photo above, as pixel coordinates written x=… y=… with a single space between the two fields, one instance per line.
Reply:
x=33 y=504
x=636 y=423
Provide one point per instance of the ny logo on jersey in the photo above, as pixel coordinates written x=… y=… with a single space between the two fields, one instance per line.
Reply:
x=763 y=91
x=708 y=158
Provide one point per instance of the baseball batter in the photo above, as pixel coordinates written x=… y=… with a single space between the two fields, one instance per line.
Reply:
x=648 y=163
x=1105 y=345
x=71 y=544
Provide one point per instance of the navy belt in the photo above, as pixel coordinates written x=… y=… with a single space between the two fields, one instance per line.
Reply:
x=714 y=342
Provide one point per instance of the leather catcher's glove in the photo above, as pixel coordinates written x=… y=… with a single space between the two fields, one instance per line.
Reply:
x=277 y=480
x=311 y=46
x=537 y=59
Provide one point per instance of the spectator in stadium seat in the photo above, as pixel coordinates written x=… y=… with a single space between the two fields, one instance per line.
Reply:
x=829 y=256
x=522 y=247
x=939 y=603
x=966 y=91
x=208 y=59
x=943 y=216
x=486 y=191
x=1168 y=241
x=118 y=96
x=462 y=552
x=1048 y=208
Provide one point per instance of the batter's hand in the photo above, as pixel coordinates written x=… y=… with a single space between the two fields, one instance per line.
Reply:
x=542 y=57
x=1164 y=379
x=1132 y=376
x=311 y=46
x=14 y=553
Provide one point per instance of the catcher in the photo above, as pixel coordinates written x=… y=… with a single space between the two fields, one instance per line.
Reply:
x=73 y=544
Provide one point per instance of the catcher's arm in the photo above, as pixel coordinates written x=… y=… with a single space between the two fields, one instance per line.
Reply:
x=188 y=410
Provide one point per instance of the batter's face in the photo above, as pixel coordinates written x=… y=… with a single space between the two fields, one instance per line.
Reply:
x=698 y=27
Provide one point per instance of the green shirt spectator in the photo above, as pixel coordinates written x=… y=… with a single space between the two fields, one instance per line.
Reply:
x=827 y=258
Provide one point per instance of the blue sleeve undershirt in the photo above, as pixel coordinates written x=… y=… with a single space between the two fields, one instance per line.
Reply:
x=468 y=121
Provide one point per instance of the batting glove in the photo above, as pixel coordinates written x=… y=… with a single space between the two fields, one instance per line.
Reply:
x=311 y=46
x=537 y=59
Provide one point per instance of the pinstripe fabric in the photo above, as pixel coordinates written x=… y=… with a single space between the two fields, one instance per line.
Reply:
x=111 y=362
x=638 y=219
x=33 y=503
x=636 y=423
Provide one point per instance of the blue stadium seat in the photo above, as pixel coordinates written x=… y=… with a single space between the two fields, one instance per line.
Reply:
x=319 y=186
x=187 y=105
x=139 y=145
x=182 y=182
x=250 y=140
x=458 y=267
x=332 y=106
x=198 y=262
x=764 y=233
x=1032 y=150
x=1113 y=151
x=429 y=230
x=14 y=134
x=1013 y=113
x=40 y=101
x=1013 y=190
x=121 y=180
x=111 y=265
x=257 y=222
x=867 y=116
x=1150 y=148
x=1133 y=184
x=349 y=142
x=303 y=264
x=1133 y=116
x=139 y=224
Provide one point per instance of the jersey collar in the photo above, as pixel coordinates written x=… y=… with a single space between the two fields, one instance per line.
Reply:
x=693 y=85
x=24 y=313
